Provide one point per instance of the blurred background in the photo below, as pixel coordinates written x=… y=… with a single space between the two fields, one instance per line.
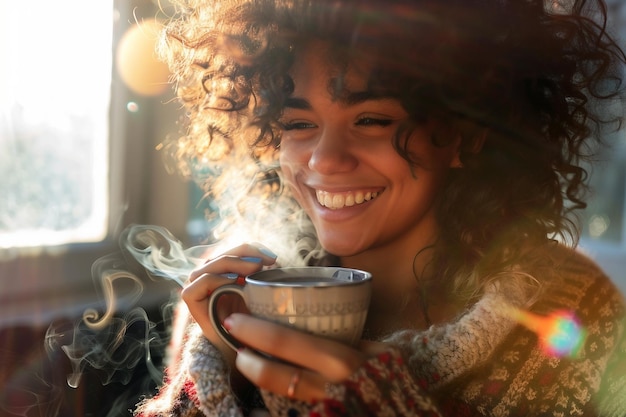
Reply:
x=84 y=110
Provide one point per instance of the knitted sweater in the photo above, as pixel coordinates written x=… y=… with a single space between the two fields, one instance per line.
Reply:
x=482 y=364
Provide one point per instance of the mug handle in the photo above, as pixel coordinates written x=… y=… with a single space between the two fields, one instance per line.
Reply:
x=217 y=324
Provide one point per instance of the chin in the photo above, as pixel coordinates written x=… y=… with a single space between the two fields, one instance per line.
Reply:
x=341 y=249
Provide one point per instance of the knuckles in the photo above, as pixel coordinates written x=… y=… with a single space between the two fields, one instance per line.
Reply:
x=187 y=294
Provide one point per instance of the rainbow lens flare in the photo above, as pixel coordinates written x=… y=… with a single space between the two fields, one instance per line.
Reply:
x=560 y=333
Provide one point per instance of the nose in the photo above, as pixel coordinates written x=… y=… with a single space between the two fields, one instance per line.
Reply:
x=332 y=153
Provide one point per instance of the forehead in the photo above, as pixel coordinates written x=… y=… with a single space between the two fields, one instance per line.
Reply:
x=318 y=66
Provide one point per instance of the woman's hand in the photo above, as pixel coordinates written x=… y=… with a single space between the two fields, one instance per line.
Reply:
x=310 y=362
x=238 y=262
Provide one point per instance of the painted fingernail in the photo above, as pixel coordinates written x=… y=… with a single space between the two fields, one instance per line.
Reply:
x=268 y=253
x=252 y=259
x=231 y=275
x=228 y=323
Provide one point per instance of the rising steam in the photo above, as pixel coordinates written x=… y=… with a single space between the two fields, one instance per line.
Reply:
x=249 y=206
x=113 y=344
x=116 y=338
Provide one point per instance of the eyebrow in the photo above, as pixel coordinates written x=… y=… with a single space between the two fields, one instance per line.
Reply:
x=297 y=103
x=350 y=99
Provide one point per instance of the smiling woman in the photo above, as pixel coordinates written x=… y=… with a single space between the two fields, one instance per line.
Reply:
x=337 y=134
x=438 y=145
x=435 y=144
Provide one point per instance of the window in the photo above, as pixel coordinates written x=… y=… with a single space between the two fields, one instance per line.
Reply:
x=604 y=222
x=77 y=154
x=55 y=80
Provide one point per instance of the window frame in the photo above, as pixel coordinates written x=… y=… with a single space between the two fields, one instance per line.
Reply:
x=40 y=284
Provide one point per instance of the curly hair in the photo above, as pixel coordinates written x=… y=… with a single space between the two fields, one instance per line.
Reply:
x=521 y=82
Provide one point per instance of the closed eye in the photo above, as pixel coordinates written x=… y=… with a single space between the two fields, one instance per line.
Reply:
x=372 y=121
x=296 y=125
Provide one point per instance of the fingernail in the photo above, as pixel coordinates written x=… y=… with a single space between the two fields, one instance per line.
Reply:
x=252 y=259
x=228 y=323
x=268 y=253
x=231 y=275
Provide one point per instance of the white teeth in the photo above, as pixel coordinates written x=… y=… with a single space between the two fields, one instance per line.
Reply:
x=326 y=200
x=340 y=200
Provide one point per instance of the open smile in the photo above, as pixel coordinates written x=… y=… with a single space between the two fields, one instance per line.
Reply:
x=336 y=201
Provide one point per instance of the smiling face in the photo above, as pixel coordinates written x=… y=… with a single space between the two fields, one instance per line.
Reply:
x=338 y=158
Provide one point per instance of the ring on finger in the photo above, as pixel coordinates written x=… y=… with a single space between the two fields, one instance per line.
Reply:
x=293 y=383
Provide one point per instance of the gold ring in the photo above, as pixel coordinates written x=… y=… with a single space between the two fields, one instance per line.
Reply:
x=295 y=378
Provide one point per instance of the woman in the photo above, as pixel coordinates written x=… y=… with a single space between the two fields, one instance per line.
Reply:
x=436 y=144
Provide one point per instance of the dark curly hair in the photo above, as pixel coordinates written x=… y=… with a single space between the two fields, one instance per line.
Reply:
x=521 y=82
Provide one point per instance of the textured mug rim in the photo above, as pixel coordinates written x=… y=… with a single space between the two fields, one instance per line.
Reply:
x=270 y=277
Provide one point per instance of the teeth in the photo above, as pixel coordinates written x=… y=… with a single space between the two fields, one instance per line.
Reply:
x=336 y=201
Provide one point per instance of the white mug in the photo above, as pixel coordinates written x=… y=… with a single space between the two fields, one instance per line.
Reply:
x=326 y=301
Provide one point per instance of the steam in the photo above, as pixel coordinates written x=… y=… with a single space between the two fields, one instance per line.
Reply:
x=118 y=336
x=114 y=350
x=161 y=253
x=92 y=318
x=115 y=338
x=31 y=392
x=114 y=344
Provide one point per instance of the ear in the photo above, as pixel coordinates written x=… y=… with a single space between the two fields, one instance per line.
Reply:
x=472 y=144
x=455 y=162
x=476 y=142
x=457 y=145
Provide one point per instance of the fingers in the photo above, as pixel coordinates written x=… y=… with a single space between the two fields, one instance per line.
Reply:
x=237 y=262
x=334 y=361
x=242 y=260
x=196 y=293
x=279 y=378
x=195 y=296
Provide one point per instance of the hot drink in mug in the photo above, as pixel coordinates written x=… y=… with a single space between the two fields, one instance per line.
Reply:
x=326 y=301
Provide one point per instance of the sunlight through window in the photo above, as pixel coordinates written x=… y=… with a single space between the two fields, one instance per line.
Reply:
x=55 y=82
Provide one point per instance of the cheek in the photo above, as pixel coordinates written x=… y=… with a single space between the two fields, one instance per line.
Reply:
x=289 y=168
x=292 y=157
x=287 y=165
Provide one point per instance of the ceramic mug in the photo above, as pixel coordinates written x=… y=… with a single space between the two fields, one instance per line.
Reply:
x=326 y=301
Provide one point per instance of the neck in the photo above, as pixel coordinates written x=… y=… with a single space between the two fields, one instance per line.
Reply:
x=395 y=264
x=397 y=281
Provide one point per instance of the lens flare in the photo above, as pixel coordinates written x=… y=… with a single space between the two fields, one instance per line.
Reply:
x=560 y=333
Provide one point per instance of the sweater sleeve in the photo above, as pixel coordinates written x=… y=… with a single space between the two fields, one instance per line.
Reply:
x=382 y=386
x=199 y=386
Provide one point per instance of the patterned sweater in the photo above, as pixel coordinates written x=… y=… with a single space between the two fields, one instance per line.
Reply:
x=482 y=364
